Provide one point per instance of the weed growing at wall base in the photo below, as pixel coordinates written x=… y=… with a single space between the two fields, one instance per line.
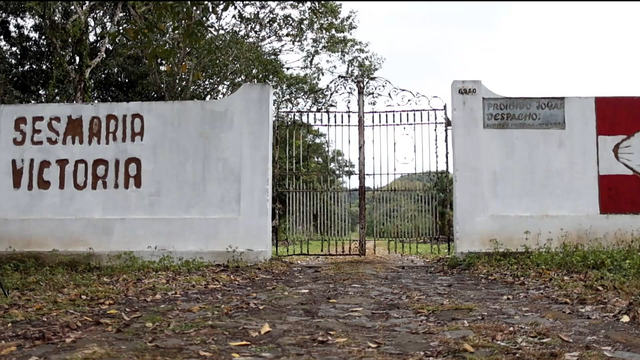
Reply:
x=23 y=272
x=595 y=266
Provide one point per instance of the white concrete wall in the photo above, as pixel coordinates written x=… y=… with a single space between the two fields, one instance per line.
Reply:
x=199 y=179
x=511 y=181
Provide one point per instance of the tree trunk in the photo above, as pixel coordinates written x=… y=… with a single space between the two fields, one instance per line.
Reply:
x=79 y=90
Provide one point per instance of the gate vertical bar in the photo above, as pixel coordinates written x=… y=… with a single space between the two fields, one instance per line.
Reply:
x=362 y=236
x=275 y=207
x=448 y=192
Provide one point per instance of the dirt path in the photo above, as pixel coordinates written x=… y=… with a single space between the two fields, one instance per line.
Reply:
x=340 y=309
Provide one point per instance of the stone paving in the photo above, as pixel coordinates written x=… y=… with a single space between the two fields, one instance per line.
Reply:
x=371 y=308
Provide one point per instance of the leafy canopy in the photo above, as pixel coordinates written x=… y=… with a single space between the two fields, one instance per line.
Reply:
x=176 y=50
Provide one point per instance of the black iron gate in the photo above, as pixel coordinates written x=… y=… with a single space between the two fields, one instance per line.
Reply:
x=376 y=179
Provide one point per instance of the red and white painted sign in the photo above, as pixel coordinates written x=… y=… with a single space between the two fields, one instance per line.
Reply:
x=618 y=139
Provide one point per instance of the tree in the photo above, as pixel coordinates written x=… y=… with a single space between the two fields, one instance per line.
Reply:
x=53 y=47
x=415 y=206
x=310 y=196
x=97 y=51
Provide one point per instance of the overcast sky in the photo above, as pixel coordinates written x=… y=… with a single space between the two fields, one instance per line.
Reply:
x=515 y=48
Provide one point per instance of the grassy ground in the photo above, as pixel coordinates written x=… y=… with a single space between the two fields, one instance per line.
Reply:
x=316 y=247
x=56 y=273
x=594 y=267
x=346 y=247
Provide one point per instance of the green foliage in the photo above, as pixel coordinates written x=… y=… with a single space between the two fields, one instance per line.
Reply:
x=52 y=48
x=31 y=271
x=143 y=51
x=305 y=165
x=303 y=150
x=53 y=262
x=73 y=281
x=596 y=262
x=412 y=206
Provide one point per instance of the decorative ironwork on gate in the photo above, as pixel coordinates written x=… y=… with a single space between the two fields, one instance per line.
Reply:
x=374 y=178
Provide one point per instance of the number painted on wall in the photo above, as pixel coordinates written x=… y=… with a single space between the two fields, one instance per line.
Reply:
x=467 y=91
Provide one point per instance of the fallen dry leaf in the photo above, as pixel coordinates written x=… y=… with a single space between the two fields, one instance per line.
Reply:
x=254 y=333
x=565 y=338
x=265 y=329
x=8 y=345
x=93 y=351
x=341 y=340
x=333 y=301
x=619 y=302
x=112 y=312
x=625 y=319
x=372 y=344
x=204 y=353
x=235 y=355
x=240 y=343
x=8 y=350
x=572 y=356
x=468 y=348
